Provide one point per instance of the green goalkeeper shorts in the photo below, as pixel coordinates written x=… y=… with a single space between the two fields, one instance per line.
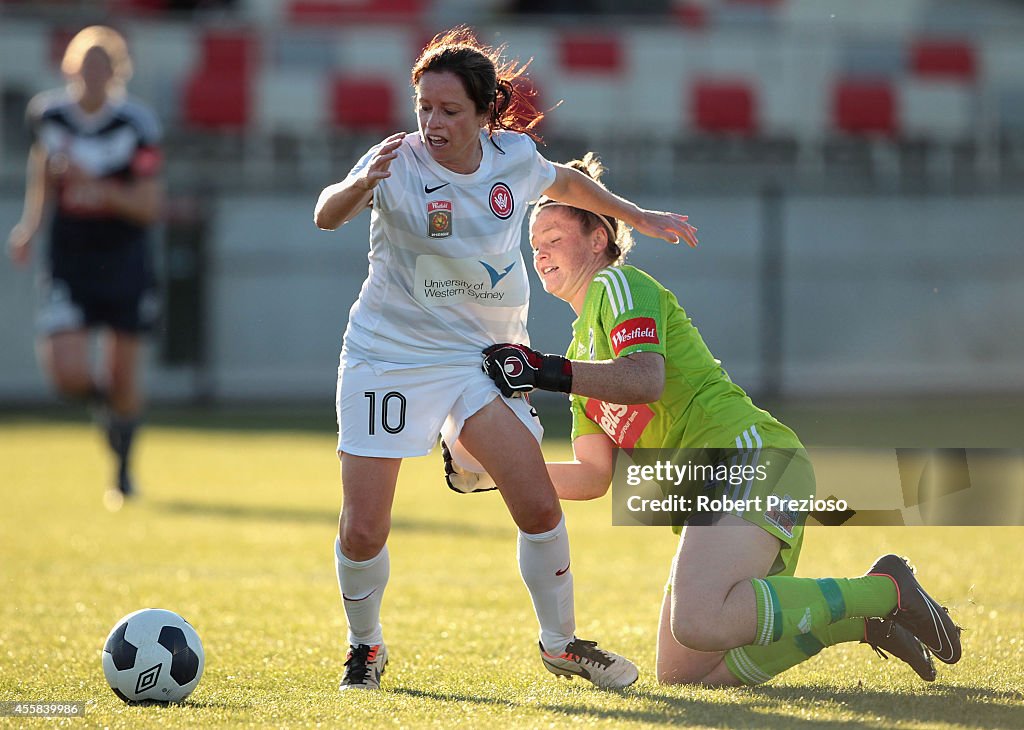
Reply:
x=766 y=479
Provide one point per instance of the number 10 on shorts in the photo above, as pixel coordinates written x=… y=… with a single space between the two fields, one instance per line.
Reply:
x=391 y=409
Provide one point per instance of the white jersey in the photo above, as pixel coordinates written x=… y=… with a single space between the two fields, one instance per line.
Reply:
x=447 y=276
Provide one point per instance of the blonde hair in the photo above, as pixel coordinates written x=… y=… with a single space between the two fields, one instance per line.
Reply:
x=620 y=237
x=109 y=41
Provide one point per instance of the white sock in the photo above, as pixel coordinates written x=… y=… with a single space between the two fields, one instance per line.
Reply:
x=544 y=565
x=362 y=589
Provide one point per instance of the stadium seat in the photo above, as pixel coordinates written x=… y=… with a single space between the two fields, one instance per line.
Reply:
x=876 y=58
x=167 y=56
x=344 y=12
x=358 y=49
x=793 y=84
x=948 y=59
x=291 y=102
x=362 y=104
x=724 y=107
x=690 y=14
x=217 y=94
x=217 y=101
x=301 y=49
x=139 y=7
x=590 y=53
x=940 y=111
x=657 y=102
x=863 y=107
x=594 y=103
x=228 y=53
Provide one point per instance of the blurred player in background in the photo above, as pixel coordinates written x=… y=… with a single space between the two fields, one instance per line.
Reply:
x=96 y=162
x=733 y=612
x=446 y=278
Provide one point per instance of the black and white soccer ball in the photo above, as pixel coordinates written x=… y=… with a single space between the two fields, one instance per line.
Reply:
x=153 y=655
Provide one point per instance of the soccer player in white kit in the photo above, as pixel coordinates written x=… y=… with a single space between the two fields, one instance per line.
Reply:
x=446 y=279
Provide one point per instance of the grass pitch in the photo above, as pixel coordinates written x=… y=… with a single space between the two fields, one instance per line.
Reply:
x=235 y=532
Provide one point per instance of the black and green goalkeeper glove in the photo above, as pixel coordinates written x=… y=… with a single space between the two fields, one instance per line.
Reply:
x=518 y=369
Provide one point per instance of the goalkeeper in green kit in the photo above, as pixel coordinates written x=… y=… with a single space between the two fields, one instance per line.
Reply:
x=640 y=377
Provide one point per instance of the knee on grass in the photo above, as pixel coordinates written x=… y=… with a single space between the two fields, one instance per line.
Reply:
x=680 y=677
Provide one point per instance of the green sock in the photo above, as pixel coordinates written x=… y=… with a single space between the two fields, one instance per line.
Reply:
x=870 y=596
x=789 y=607
x=756 y=664
x=842 y=631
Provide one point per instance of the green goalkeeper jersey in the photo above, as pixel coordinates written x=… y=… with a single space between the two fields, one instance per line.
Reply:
x=627 y=311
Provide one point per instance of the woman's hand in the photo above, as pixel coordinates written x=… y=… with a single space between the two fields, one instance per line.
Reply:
x=19 y=244
x=670 y=227
x=377 y=170
x=341 y=202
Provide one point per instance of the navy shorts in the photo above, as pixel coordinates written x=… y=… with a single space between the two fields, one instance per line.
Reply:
x=98 y=276
x=64 y=309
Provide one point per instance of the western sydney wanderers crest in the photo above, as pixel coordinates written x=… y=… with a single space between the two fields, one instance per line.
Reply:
x=501 y=200
x=439 y=218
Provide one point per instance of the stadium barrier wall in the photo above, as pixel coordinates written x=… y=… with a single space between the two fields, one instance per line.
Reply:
x=879 y=296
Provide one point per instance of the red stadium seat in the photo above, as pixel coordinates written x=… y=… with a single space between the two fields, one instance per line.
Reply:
x=724 y=107
x=864 y=107
x=228 y=53
x=138 y=7
x=947 y=59
x=217 y=95
x=590 y=53
x=691 y=15
x=214 y=101
x=363 y=104
x=341 y=12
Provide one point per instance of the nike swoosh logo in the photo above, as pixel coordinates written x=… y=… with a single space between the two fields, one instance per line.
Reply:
x=563 y=570
x=356 y=600
x=428 y=190
x=945 y=648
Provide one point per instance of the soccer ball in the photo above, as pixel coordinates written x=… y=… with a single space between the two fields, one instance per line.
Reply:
x=153 y=655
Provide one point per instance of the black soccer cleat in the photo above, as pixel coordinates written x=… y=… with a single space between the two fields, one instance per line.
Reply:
x=886 y=634
x=125 y=483
x=918 y=612
x=364 y=666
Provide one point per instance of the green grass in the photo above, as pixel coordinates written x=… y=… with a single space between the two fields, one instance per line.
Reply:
x=235 y=532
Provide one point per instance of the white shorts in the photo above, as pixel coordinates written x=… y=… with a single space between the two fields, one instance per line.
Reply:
x=399 y=413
